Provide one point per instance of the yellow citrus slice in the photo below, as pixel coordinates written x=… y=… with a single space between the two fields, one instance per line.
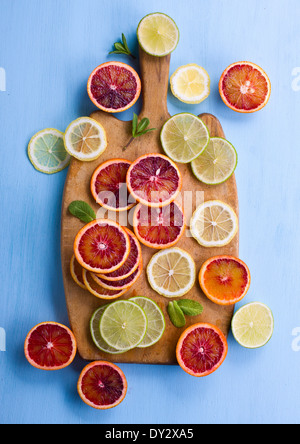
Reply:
x=190 y=84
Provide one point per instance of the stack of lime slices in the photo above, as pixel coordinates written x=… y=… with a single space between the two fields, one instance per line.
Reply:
x=126 y=324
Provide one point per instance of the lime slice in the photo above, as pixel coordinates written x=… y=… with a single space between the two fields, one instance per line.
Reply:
x=190 y=84
x=156 y=321
x=158 y=34
x=253 y=325
x=184 y=137
x=47 y=153
x=85 y=139
x=214 y=224
x=96 y=336
x=123 y=325
x=217 y=163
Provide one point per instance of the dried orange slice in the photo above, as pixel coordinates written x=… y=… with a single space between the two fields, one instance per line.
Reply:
x=76 y=272
x=97 y=290
x=102 y=246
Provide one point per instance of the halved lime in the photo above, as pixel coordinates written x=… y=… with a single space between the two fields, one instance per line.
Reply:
x=47 y=153
x=158 y=34
x=184 y=137
x=96 y=336
x=253 y=325
x=123 y=325
x=217 y=163
x=156 y=321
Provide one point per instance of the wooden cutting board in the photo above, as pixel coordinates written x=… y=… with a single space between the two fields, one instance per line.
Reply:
x=80 y=303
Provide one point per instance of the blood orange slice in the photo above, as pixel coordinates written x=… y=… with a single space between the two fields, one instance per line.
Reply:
x=108 y=185
x=76 y=272
x=159 y=227
x=201 y=349
x=132 y=262
x=97 y=290
x=102 y=246
x=225 y=280
x=102 y=385
x=121 y=284
x=245 y=87
x=50 y=346
x=154 y=180
x=114 y=87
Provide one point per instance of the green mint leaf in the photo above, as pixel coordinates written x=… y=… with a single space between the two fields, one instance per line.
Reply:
x=125 y=44
x=144 y=123
x=82 y=211
x=176 y=315
x=134 y=125
x=122 y=48
x=190 y=307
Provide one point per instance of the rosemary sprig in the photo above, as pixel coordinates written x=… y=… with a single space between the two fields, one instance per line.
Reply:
x=122 y=48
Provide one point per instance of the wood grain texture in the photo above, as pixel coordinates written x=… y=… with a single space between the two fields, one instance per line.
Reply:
x=80 y=303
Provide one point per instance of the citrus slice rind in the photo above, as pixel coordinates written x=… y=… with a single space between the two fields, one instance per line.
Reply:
x=76 y=272
x=158 y=34
x=214 y=224
x=47 y=153
x=217 y=163
x=253 y=325
x=172 y=272
x=97 y=290
x=121 y=284
x=85 y=139
x=190 y=84
x=184 y=137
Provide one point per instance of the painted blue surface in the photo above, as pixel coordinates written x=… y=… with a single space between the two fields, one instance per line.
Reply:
x=47 y=50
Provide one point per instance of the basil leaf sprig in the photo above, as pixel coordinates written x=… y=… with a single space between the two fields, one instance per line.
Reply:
x=82 y=211
x=122 y=48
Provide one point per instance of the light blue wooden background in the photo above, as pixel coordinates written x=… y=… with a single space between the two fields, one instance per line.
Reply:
x=48 y=49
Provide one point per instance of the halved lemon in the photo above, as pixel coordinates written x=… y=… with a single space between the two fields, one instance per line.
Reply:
x=85 y=139
x=190 y=84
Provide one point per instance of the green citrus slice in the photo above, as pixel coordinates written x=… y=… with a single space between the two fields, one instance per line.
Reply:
x=47 y=153
x=184 y=137
x=217 y=163
x=158 y=34
x=253 y=325
x=156 y=321
x=123 y=325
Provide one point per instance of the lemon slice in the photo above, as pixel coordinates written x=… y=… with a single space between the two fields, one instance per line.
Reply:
x=158 y=34
x=46 y=151
x=85 y=139
x=190 y=84
x=217 y=163
x=214 y=224
x=172 y=272
x=184 y=137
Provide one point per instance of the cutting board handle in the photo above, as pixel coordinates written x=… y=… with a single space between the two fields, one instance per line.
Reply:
x=155 y=83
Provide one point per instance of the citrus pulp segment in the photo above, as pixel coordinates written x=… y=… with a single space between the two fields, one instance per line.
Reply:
x=102 y=246
x=102 y=385
x=108 y=185
x=47 y=153
x=50 y=346
x=123 y=325
x=245 y=87
x=121 y=284
x=184 y=137
x=156 y=321
x=172 y=272
x=217 y=163
x=97 y=290
x=159 y=228
x=225 y=280
x=76 y=272
x=85 y=139
x=253 y=325
x=158 y=34
x=154 y=180
x=190 y=84
x=114 y=87
x=214 y=224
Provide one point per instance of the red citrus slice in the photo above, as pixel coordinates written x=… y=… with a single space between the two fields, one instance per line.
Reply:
x=50 y=346
x=102 y=385
x=245 y=87
x=97 y=290
x=121 y=284
x=132 y=262
x=76 y=272
x=154 y=180
x=225 y=280
x=114 y=87
x=159 y=227
x=201 y=349
x=108 y=185
x=102 y=246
